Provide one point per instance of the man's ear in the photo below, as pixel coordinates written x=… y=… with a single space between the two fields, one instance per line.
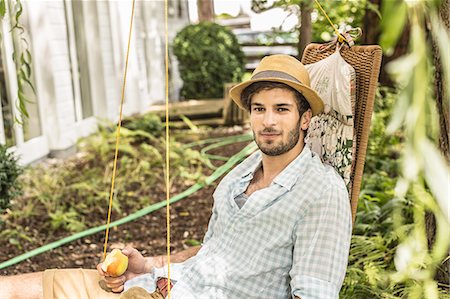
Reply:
x=305 y=120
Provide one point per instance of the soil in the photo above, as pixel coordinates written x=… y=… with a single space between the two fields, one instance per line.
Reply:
x=188 y=224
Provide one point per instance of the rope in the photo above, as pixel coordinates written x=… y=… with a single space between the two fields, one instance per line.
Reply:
x=167 y=144
x=111 y=194
x=340 y=37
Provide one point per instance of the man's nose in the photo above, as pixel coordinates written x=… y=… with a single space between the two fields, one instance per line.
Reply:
x=269 y=119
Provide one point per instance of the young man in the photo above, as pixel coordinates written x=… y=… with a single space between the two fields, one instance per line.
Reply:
x=281 y=222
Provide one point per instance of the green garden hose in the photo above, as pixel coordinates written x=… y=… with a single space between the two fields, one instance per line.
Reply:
x=235 y=138
x=219 y=142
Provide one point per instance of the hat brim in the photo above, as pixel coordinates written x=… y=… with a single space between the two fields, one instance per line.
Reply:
x=310 y=95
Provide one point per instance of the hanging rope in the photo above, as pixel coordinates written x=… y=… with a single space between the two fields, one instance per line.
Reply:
x=167 y=144
x=340 y=37
x=111 y=194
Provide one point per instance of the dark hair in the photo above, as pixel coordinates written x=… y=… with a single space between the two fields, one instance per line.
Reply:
x=254 y=88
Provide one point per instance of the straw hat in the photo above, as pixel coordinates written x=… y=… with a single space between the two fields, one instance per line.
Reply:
x=284 y=69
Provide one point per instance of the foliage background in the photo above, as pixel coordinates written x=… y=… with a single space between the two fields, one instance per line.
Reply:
x=389 y=256
x=345 y=14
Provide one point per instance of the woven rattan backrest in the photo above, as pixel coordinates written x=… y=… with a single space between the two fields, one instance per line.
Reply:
x=366 y=61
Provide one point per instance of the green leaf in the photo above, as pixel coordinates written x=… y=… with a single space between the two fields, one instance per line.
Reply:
x=25 y=65
x=21 y=103
x=402 y=70
x=128 y=149
x=189 y=123
x=28 y=56
x=19 y=11
x=22 y=76
x=393 y=23
x=192 y=242
x=135 y=133
x=373 y=7
x=15 y=242
x=2 y=8
x=437 y=175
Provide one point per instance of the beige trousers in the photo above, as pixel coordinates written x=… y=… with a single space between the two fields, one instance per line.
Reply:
x=85 y=284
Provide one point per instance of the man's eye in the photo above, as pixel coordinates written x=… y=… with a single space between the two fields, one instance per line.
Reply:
x=258 y=109
x=282 y=109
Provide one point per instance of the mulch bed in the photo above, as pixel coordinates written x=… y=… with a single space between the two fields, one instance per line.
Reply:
x=189 y=221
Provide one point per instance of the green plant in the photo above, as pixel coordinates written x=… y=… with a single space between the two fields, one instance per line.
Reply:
x=15 y=236
x=150 y=123
x=67 y=219
x=209 y=55
x=376 y=232
x=425 y=172
x=9 y=172
x=21 y=55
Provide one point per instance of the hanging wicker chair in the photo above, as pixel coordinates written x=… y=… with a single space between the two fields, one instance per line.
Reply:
x=366 y=60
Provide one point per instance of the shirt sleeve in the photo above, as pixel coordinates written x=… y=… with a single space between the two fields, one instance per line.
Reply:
x=321 y=246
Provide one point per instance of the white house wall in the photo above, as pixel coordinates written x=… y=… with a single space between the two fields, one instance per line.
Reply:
x=52 y=71
x=105 y=29
x=151 y=16
x=133 y=97
x=111 y=76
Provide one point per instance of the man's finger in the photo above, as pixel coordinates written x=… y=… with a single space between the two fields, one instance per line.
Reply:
x=128 y=250
x=114 y=285
x=100 y=271
x=115 y=280
x=118 y=289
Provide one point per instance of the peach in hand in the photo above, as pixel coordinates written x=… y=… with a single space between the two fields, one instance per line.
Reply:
x=115 y=263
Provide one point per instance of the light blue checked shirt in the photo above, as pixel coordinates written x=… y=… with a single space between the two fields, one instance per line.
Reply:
x=291 y=238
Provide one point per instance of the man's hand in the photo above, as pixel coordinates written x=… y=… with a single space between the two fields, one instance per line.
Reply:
x=137 y=265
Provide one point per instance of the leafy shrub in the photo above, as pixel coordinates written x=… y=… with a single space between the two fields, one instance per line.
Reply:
x=9 y=172
x=150 y=123
x=209 y=55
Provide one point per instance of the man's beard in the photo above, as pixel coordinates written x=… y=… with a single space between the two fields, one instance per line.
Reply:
x=293 y=137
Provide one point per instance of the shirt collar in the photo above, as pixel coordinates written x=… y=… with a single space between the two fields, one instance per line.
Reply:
x=294 y=171
x=287 y=177
x=251 y=165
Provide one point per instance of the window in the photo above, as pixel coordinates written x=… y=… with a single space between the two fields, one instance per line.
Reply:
x=7 y=118
x=78 y=59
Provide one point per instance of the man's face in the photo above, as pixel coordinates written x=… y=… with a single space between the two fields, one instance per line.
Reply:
x=275 y=121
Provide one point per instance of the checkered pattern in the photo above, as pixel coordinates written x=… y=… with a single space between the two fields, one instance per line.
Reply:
x=291 y=238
